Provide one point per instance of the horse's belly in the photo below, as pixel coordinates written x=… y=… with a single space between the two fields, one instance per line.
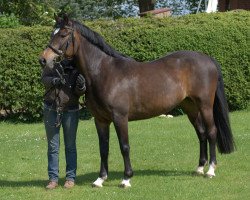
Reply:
x=140 y=116
x=152 y=108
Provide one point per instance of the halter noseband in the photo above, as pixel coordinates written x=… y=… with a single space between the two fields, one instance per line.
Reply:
x=70 y=40
x=58 y=52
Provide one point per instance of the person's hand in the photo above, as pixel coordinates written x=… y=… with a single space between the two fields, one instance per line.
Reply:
x=57 y=81
x=80 y=82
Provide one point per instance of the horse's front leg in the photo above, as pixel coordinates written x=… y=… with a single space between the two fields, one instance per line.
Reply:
x=103 y=135
x=121 y=126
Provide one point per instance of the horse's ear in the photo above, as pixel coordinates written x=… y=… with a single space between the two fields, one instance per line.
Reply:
x=56 y=18
x=65 y=19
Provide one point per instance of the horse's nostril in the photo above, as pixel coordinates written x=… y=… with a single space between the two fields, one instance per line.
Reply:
x=42 y=61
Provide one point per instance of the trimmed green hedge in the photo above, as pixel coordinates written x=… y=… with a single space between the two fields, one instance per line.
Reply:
x=20 y=86
x=220 y=35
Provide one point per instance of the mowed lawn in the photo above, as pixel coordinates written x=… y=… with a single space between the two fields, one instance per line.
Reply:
x=164 y=155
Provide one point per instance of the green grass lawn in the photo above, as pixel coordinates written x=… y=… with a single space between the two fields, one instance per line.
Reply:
x=164 y=154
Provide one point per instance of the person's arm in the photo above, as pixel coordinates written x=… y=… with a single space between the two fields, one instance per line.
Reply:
x=49 y=79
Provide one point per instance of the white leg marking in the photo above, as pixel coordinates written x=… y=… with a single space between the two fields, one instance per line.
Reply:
x=125 y=183
x=99 y=181
x=200 y=170
x=211 y=170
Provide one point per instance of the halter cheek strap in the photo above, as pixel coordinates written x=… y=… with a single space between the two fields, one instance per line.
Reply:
x=69 y=41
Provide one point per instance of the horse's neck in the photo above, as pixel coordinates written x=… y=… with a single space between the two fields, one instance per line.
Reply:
x=90 y=58
x=94 y=63
x=90 y=61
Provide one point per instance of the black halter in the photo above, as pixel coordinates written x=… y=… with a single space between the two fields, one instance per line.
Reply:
x=61 y=51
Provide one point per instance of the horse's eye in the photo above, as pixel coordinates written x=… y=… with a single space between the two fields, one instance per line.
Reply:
x=63 y=34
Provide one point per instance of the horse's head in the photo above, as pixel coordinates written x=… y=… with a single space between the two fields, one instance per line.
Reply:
x=62 y=44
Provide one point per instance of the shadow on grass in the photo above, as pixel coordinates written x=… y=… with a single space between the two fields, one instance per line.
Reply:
x=88 y=178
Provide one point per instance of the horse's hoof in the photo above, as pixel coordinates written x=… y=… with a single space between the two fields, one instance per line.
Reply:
x=94 y=185
x=98 y=183
x=208 y=175
x=200 y=171
x=125 y=184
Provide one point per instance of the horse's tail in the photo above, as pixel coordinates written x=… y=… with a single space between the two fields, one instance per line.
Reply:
x=225 y=141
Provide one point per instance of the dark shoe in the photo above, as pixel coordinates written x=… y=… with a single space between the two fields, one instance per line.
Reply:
x=52 y=185
x=69 y=184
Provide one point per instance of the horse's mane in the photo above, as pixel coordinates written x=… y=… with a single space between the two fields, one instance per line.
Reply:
x=95 y=39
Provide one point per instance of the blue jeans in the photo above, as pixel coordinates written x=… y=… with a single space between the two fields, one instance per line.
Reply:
x=69 y=123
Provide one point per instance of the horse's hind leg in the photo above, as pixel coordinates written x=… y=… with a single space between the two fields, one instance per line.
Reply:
x=200 y=131
x=103 y=135
x=121 y=127
x=211 y=131
x=195 y=118
x=200 y=113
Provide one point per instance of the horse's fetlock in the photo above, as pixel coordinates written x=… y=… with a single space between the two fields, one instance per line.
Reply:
x=128 y=174
x=202 y=162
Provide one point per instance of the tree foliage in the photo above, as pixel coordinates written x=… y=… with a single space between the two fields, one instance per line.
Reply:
x=90 y=9
x=30 y=12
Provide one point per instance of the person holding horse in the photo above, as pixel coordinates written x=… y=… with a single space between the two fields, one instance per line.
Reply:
x=63 y=88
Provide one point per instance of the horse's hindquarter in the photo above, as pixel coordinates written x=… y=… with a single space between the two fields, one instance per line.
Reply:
x=200 y=74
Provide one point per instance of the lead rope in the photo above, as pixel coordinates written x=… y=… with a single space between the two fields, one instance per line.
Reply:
x=59 y=111
x=57 y=100
x=59 y=108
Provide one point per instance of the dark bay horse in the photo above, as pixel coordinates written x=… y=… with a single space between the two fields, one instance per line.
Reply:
x=120 y=89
